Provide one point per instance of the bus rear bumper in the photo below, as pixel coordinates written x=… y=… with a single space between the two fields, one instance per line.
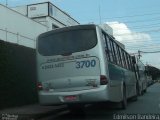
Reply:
x=85 y=96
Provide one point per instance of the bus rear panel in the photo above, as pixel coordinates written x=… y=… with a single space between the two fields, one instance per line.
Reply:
x=83 y=64
x=69 y=66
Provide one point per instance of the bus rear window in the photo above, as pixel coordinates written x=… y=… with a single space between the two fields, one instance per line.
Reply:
x=67 y=42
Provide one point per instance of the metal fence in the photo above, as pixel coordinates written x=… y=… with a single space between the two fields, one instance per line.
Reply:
x=17 y=38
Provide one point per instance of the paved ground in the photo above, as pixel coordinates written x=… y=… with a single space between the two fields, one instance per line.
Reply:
x=30 y=112
x=147 y=104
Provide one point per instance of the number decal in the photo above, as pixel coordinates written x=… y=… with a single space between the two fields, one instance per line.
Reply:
x=85 y=64
x=82 y=64
x=78 y=65
x=93 y=63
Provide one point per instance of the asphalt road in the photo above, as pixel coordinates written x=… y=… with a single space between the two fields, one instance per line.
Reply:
x=146 y=107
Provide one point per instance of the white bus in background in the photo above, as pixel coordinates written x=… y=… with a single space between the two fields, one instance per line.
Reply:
x=141 y=75
x=83 y=64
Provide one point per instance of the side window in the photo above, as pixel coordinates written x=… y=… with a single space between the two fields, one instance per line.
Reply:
x=119 y=55
x=116 y=53
x=104 y=41
x=132 y=68
x=129 y=63
x=126 y=60
x=109 y=49
x=132 y=64
x=105 y=45
x=113 y=52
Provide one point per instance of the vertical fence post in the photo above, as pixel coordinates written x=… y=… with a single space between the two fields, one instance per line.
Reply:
x=6 y=33
x=35 y=43
x=17 y=38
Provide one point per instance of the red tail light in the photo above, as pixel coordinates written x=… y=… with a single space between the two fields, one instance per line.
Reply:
x=39 y=86
x=103 y=80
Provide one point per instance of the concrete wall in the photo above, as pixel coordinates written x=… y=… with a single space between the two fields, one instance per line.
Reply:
x=17 y=28
x=21 y=9
x=47 y=14
x=45 y=9
x=49 y=21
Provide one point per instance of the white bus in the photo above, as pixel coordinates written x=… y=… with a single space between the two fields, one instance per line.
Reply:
x=141 y=75
x=83 y=64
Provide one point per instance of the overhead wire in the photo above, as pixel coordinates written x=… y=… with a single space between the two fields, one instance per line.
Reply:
x=134 y=33
x=150 y=51
x=139 y=41
x=148 y=47
x=136 y=15
x=139 y=27
x=129 y=16
x=134 y=21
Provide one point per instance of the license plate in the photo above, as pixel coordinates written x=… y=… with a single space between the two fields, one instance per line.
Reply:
x=71 y=98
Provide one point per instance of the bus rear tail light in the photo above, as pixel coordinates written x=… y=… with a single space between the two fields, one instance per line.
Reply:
x=39 y=86
x=103 y=80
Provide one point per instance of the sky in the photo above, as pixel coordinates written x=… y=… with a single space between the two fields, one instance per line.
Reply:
x=135 y=23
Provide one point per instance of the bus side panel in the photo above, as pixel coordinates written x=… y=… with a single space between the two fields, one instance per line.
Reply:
x=142 y=76
x=118 y=76
x=130 y=81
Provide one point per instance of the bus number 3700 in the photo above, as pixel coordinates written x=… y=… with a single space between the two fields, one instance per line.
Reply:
x=85 y=64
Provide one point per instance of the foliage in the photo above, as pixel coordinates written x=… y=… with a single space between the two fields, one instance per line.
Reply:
x=153 y=71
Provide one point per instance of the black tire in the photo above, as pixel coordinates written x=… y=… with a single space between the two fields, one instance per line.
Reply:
x=124 y=101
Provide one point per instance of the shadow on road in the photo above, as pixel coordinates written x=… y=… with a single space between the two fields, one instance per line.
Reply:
x=101 y=111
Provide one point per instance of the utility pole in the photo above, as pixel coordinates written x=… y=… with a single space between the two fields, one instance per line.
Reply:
x=139 y=54
x=100 y=20
x=6 y=2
